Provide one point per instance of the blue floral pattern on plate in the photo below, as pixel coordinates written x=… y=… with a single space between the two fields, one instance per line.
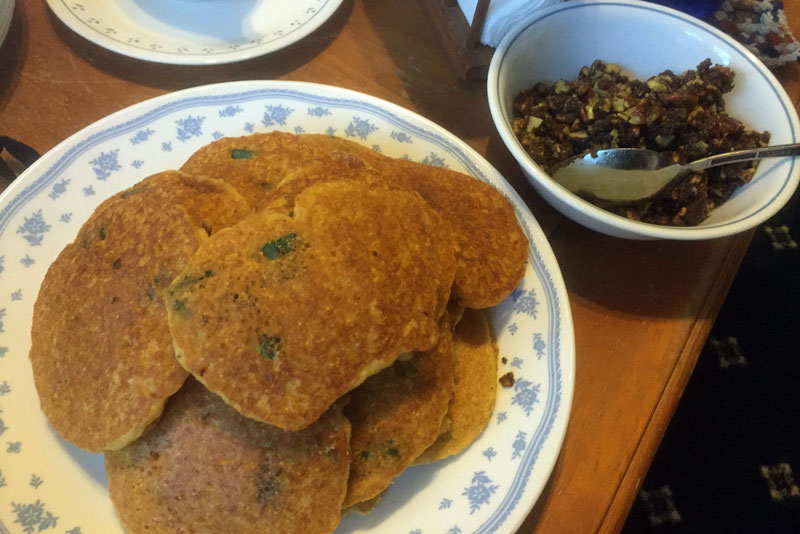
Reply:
x=201 y=32
x=490 y=487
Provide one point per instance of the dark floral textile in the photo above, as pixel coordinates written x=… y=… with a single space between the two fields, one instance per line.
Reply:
x=730 y=459
x=761 y=26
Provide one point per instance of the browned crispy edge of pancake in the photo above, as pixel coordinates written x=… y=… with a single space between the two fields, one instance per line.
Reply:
x=363 y=507
x=100 y=348
x=475 y=352
x=396 y=415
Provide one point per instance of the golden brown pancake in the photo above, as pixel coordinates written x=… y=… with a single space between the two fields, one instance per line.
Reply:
x=253 y=164
x=475 y=353
x=282 y=315
x=331 y=167
x=101 y=350
x=491 y=247
x=396 y=416
x=204 y=468
x=210 y=203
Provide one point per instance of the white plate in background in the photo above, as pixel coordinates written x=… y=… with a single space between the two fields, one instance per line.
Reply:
x=193 y=32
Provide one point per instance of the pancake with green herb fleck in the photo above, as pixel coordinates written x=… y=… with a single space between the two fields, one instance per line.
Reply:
x=282 y=315
x=475 y=353
x=205 y=468
x=253 y=164
x=331 y=167
x=101 y=350
x=491 y=248
x=396 y=415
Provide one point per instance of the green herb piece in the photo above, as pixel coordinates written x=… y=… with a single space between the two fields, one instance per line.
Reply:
x=241 y=153
x=131 y=192
x=102 y=233
x=193 y=279
x=365 y=455
x=156 y=280
x=268 y=346
x=393 y=452
x=280 y=247
x=179 y=305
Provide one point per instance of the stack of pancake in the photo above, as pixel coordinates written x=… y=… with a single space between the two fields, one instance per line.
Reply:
x=267 y=337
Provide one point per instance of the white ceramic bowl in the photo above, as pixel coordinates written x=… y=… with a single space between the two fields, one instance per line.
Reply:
x=644 y=39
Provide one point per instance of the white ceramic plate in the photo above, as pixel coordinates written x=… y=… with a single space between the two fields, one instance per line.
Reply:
x=6 y=13
x=193 y=32
x=49 y=485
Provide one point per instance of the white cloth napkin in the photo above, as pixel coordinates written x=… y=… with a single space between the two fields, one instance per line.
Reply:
x=502 y=16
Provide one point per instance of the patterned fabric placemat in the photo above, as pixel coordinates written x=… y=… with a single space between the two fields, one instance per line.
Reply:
x=762 y=27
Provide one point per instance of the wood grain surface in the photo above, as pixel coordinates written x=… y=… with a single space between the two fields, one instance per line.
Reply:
x=642 y=310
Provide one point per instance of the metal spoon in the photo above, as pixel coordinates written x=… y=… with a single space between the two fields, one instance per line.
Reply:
x=630 y=174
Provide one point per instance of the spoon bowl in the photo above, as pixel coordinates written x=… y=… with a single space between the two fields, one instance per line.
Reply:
x=631 y=174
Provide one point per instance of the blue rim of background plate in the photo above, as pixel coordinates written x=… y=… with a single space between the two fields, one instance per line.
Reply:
x=378 y=108
x=705 y=28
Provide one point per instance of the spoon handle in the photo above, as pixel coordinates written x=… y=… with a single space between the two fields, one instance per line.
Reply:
x=746 y=155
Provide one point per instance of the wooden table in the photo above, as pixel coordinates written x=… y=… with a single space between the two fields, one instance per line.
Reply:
x=642 y=310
